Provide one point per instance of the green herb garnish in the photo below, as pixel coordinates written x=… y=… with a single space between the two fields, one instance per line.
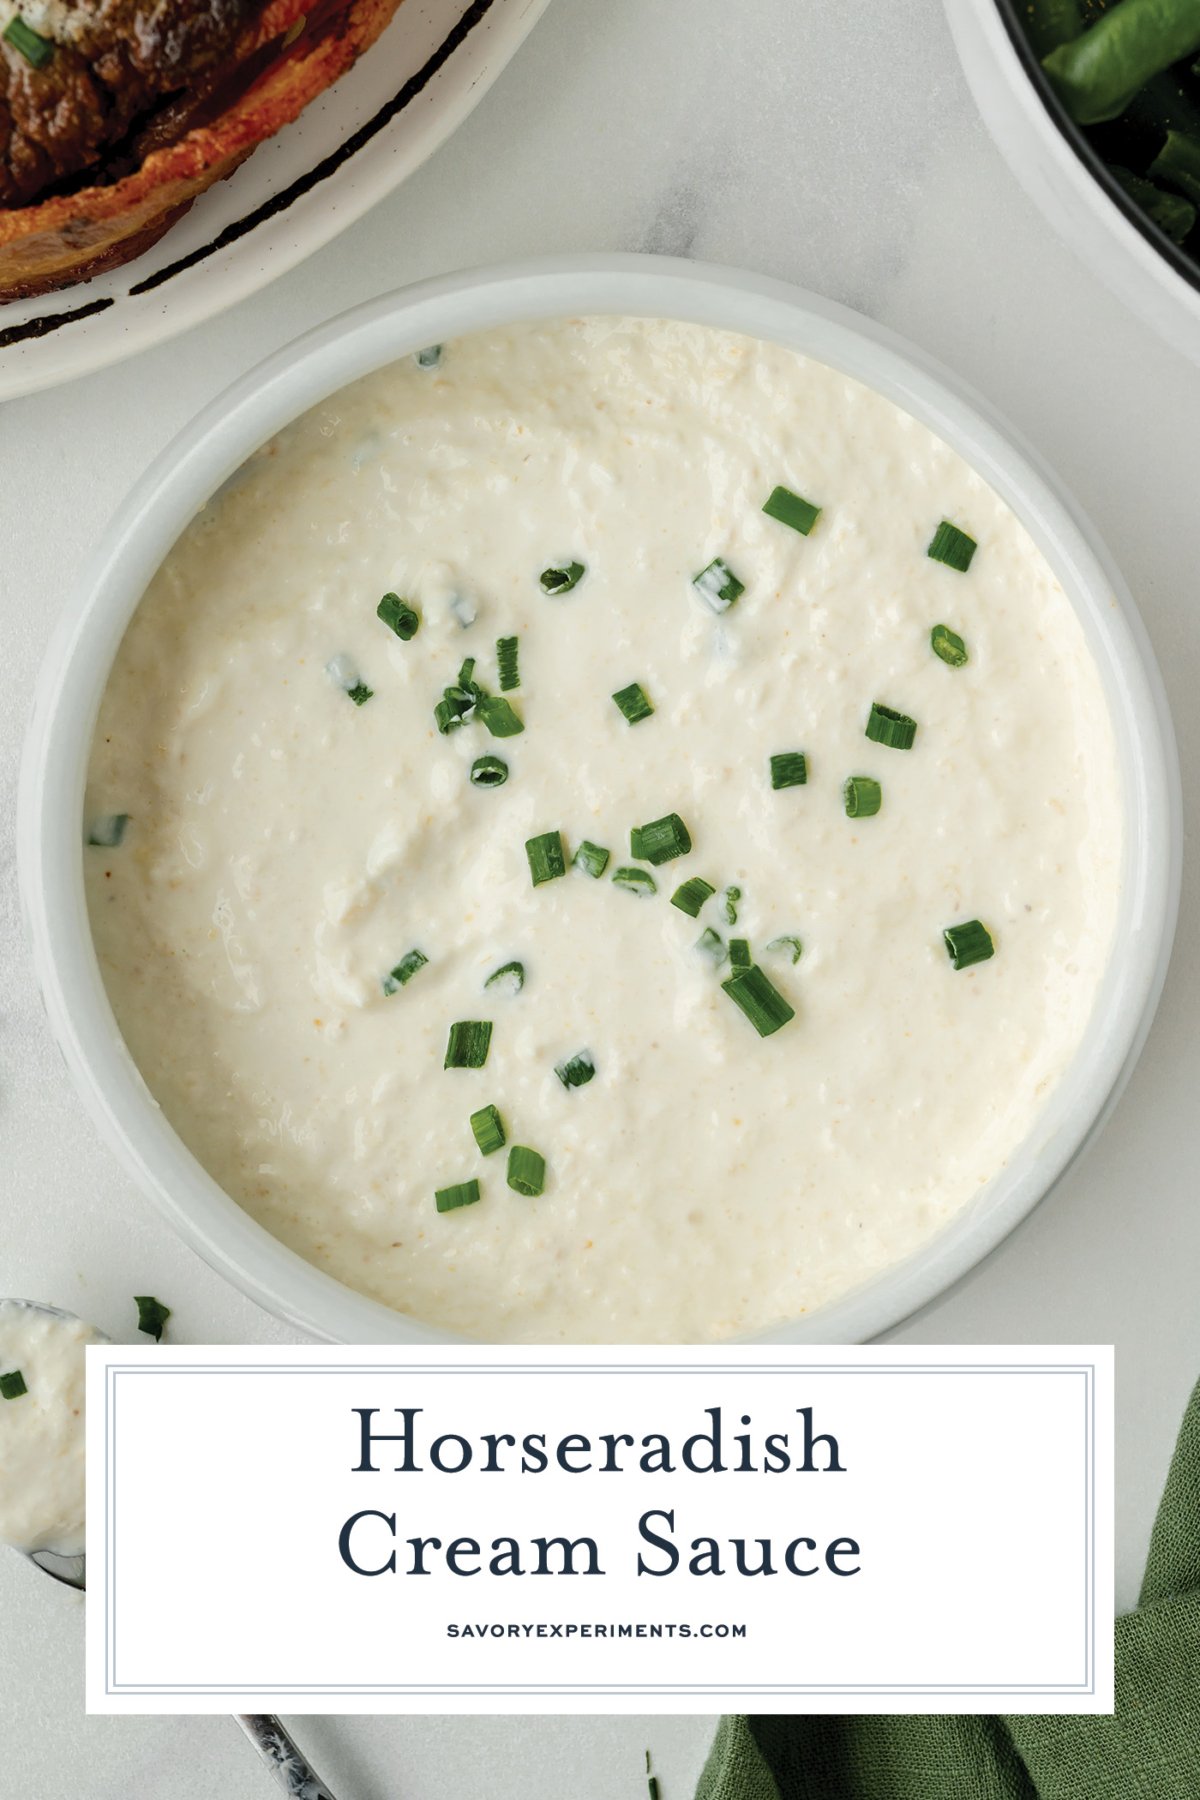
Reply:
x=863 y=797
x=691 y=896
x=152 y=1315
x=12 y=1385
x=509 y=978
x=488 y=772
x=948 y=645
x=792 y=945
x=591 y=858
x=577 y=1071
x=467 y=1044
x=763 y=1004
x=886 y=726
x=488 y=1130
x=791 y=510
x=968 y=943
x=662 y=840
x=635 y=881
x=951 y=546
x=404 y=971
x=739 y=953
x=360 y=693
x=498 y=715
x=526 y=1171
x=36 y=50
x=789 y=769
x=711 y=944
x=633 y=703
x=732 y=896
x=718 y=586
x=561 y=581
x=507 y=652
x=398 y=616
x=463 y=1193
x=546 y=859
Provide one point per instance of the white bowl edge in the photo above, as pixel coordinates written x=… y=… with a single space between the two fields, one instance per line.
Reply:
x=69 y=688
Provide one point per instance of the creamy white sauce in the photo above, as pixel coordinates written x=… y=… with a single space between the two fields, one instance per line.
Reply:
x=41 y=1432
x=286 y=848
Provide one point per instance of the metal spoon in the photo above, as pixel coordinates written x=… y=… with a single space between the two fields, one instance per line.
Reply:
x=291 y=1769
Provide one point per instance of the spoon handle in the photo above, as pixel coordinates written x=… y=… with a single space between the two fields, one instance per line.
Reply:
x=291 y=1769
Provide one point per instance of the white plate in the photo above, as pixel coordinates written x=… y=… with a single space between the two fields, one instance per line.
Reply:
x=352 y=146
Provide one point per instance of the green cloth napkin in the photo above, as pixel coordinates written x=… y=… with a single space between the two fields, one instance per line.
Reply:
x=1149 y=1749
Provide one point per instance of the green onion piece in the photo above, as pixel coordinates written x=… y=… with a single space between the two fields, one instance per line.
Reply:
x=690 y=897
x=467 y=1045
x=507 y=651
x=662 y=840
x=792 y=945
x=710 y=944
x=591 y=858
x=429 y=358
x=106 y=833
x=499 y=717
x=763 y=1005
x=463 y=1193
x=633 y=703
x=789 y=769
x=948 y=645
x=718 y=585
x=951 y=546
x=12 y=1385
x=561 y=581
x=398 y=616
x=152 y=1315
x=526 y=1171
x=488 y=1129
x=546 y=859
x=449 y=715
x=967 y=944
x=863 y=797
x=791 y=510
x=36 y=50
x=509 y=978
x=739 y=953
x=577 y=1071
x=404 y=971
x=467 y=684
x=488 y=772
x=635 y=881
x=886 y=726
x=360 y=693
x=652 y=1787
x=732 y=896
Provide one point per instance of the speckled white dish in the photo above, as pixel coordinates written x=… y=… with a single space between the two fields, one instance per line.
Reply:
x=354 y=144
x=77 y=670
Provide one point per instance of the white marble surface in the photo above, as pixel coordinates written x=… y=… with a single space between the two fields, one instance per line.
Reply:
x=832 y=142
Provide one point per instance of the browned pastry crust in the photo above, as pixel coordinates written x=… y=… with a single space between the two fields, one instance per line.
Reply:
x=189 y=107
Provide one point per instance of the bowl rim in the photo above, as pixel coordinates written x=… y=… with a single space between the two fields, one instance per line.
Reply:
x=300 y=375
x=1083 y=204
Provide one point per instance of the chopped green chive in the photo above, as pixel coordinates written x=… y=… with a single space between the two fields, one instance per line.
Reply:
x=449 y=714
x=561 y=581
x=488 y=1129
x=12 y=1385
x=792 y=945
x=398 y=616
x=507 y=652
x=886 y=726
x=951 y=546
x=633 y=703
x=710 y=944
x=968 y=943
x=591 y=858
x=429 y=358
x=635 y=881
x=791 y=510
x=662 y=840
x=526 y=1171
x=690 y=897
x=106 y=833
x=732 y=896
x=343 y=674
x=463 y=1193
x=488 y=771
x=509 y=978
x=863 y=797
x=546 y=859
x=467 y=1045
x=948 y=645
x=577 y=1071
x=498 y=715
x=789 y=769
x=404 y=971
x=763 y=1005
x=152 y=1315
x=718 y=585
x=36 y=50
x=652 y=1789
x=360 y=693
x=739 y=953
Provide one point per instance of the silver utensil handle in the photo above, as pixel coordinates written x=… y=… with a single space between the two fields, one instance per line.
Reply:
x=291 y=1769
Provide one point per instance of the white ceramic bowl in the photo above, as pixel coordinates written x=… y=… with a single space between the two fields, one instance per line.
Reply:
x=77 y=666
x=1086 y=207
